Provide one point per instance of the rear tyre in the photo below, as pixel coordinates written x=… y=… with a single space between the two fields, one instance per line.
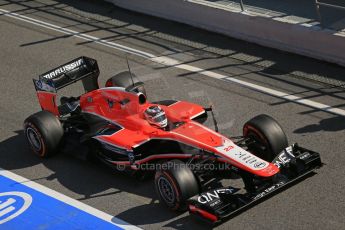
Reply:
x=174 y=184
x=124 y=79
x=44 y=132
x=269 y=137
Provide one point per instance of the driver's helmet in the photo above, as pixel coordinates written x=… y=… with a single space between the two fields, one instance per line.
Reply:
x=155 y=115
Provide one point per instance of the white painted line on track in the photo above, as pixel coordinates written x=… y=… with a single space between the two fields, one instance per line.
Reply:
x=276 y=93
x=77 y=34
x=175 y=63
x=72 y=202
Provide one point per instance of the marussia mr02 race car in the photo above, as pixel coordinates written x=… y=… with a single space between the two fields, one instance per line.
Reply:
x=111 y=124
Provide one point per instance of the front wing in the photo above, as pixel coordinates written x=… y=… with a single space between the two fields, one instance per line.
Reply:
x=295 y=163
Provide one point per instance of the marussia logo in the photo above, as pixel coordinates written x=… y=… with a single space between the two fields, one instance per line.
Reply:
x=64 y=69
x=210 y=196
x=12 y=204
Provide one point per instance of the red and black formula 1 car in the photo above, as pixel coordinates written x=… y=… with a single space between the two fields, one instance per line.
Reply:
x=190 y=159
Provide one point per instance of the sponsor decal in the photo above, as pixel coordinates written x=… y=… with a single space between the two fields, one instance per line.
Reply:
x=259 y=165
x=215 y=203
x=304 y=156
x=227 y=149
x=63 y=69
x=131 y=157
x=110 y=103
x=268 y=190
x=214 y=195
x=241 y=156
x=12 y=204
x=38 y=84
x=43 y=86
x=284 y=158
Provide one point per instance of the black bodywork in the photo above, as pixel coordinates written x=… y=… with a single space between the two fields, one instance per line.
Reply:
x=219 y=203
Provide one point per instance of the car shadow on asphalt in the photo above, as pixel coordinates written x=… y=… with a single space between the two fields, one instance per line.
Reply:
x=15 y=153
x=332 y=124
x=91 y=180
x=149 y=216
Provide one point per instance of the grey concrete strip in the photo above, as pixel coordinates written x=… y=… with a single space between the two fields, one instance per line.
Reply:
x=274 y=32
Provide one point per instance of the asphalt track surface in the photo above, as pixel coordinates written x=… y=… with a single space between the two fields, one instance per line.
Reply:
x=26 y=50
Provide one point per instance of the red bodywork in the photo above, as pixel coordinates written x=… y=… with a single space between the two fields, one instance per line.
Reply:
x=47 y=101
x=126 y=109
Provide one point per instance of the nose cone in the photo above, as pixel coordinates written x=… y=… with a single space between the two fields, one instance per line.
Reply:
x=245 y=160
x=200 y=134
x=269 y=171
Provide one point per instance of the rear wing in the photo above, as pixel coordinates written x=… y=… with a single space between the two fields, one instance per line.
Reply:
x=82 y=68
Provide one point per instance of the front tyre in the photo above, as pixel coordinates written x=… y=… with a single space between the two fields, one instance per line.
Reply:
x=174 y=184
x=268 y=136
x=44 y=132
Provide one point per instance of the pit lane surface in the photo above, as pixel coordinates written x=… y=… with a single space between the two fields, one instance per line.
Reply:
x=28 y=50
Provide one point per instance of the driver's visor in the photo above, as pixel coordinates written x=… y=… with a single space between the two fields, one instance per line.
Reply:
x=160 y=117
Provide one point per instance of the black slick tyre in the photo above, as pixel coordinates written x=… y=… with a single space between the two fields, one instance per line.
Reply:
x=174 y=184
x=44 y=132
x=124 y=79
x=269 y=137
